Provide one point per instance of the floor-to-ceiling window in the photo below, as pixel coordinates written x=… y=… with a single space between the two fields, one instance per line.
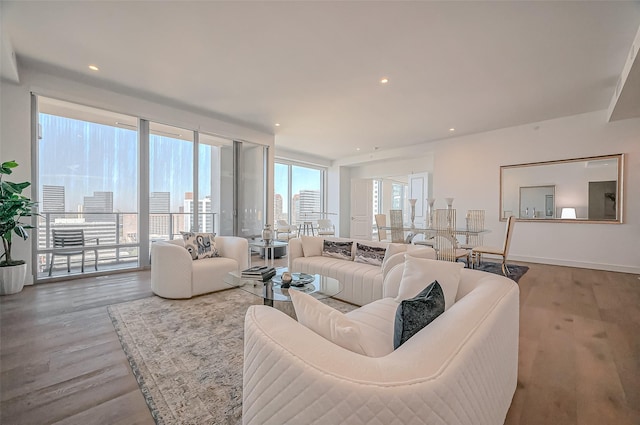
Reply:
x=299 y=193
x=171 y=197
x=251 y=188
x=96 y=170
x=212 y=184
x=87 y=181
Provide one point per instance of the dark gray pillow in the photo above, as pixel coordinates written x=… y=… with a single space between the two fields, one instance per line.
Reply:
x=416 y=313
x=337 y=249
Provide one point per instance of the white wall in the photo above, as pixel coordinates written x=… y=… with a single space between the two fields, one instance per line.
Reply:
x=468 y=168
x=15 y=134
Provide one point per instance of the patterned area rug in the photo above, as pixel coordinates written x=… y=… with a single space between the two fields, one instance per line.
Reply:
x=516 y=271
x=187 y=354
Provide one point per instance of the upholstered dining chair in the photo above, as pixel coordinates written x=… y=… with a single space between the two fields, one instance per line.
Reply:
x=71 y=238
x=397 y=232
x=476 y=253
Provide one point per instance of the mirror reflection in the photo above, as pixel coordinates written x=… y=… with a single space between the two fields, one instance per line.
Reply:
x=578 y=190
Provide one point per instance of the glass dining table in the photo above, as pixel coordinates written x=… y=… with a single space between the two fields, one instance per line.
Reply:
x=413 y=231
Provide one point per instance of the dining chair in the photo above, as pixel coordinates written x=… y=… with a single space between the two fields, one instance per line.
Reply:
x=326 y=227
x=476 y=253
x=446 y=246
x=442 y=219
x=474 y=223
x=396 y=224
x=444 y=240
x=71 y=238
x=381 y=221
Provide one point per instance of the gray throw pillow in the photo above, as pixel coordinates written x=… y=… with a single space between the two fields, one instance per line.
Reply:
x=335 y=249
x=369 y=254
x=416 y=313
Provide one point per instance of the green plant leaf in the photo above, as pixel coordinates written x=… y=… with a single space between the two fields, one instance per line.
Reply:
x=16 y=188
x=20 y=231
x=7 y=166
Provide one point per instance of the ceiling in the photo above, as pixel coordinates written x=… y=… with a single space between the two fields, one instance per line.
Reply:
x=315 y=67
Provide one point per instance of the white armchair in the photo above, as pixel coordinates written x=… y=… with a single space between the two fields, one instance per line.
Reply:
x=326 y=228
x=175 y=275
x=285 y=231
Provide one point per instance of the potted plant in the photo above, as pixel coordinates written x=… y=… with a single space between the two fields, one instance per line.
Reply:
x=14 y=207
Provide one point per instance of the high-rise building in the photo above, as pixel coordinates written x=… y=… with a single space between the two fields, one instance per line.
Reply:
x=159 y=208
x=376 y=197
x=277 y=207
x=295 y=207
x=159 y=202
x=205 y=213
x=100 y=202
x=53 y=201
x=309 y=205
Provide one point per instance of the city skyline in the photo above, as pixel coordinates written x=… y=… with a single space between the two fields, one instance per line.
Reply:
x=86 y=158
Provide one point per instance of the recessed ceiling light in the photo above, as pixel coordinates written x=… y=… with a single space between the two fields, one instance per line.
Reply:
x=384 y=80
x=94 y=68
x=357 y=149
x=277 y=124
x=452 y=129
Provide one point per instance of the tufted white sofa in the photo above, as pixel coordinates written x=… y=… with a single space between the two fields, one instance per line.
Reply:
x=461 y=369
x=175 y=275
x=362 y=282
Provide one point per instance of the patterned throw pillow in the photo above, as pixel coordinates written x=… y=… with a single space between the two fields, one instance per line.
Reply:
x=416 y=313
x=369 y=254
x=200 y=245
x=335 y=249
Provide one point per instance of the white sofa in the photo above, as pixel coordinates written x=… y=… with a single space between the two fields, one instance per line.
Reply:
x=362 y=282
x=175 y=275
x=460 y=369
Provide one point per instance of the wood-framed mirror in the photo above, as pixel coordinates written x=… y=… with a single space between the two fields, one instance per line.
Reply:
x=579 y=190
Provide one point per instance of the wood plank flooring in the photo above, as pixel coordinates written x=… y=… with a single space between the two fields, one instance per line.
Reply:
x=61 y=361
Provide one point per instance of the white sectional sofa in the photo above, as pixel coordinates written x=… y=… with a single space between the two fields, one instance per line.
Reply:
x=362 y=282
x=461 y=369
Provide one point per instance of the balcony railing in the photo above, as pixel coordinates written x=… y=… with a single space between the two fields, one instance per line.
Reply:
x=116 y=234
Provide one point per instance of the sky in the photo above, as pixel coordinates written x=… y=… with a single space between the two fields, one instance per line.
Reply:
x=86 y=157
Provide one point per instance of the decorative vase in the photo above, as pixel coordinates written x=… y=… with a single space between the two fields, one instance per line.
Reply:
x=267 y=234
x=12 y=279
x=449 y=203
x=412 y=202
x=430 y=201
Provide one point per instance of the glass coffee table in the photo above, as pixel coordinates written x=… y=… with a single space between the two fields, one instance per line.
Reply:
x=318 y=286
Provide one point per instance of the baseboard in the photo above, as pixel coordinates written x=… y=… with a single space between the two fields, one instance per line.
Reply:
x=579 y=264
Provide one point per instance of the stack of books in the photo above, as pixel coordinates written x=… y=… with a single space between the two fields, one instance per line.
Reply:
x=262 y=273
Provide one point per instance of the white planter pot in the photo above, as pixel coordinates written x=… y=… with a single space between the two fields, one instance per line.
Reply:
x=12 y=279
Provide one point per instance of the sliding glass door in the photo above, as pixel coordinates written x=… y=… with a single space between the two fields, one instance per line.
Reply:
x=92 y=178
x=87 y=181
x=251 y=190
x=171 y=203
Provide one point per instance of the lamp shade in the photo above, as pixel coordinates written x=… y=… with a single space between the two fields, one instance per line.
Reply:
x=568 y=213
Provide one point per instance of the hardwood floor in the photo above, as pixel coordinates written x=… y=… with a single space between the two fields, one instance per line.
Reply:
x=61 y=361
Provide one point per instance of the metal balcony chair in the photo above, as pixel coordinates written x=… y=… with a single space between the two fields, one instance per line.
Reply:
x=64 y=239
